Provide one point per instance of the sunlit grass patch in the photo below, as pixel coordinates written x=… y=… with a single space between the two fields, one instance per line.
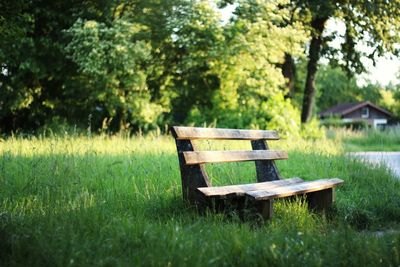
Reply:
x=117 y=201
x=367 y=140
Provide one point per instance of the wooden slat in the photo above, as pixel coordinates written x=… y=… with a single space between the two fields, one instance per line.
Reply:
x=200 y=157
x=193 y=176
x=296 y=189
x=240 y=190
x=181 y=132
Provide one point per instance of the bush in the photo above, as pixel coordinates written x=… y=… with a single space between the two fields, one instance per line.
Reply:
x=338 y=123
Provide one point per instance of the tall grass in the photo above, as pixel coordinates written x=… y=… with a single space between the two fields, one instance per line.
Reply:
x=116 y=201
x=368 y=140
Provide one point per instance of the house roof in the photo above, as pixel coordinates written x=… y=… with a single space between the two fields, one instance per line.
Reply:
x=346 y=108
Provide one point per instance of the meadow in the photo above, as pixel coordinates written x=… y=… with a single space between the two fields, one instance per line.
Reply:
x=103 y=200
x=368 y=140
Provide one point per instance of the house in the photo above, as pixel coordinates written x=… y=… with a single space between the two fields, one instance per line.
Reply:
x=361 y=111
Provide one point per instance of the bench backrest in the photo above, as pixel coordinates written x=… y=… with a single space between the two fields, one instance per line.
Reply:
x=191 y=161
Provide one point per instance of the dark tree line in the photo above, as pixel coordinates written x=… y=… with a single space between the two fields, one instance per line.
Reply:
x=143 y=64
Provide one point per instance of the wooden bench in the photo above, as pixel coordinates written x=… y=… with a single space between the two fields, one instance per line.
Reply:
x=197 y=188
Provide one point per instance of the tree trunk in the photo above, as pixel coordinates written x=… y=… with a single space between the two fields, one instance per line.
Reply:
x=289 y=72
x=318 y=25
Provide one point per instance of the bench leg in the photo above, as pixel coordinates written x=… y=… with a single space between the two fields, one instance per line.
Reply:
x=265 y=208
x=321 y=200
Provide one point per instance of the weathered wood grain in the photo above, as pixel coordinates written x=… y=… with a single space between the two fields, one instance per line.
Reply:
x=266 y=169
x=321 y=200
x=193 y=176
x=290 y=190
x=265 y=208
x=200 y=157
x=240 y=190
x=181 y=132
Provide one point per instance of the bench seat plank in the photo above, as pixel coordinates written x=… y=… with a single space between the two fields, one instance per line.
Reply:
x=200 y=157
x=240 y=190
x=295 y=189
x=192 y=133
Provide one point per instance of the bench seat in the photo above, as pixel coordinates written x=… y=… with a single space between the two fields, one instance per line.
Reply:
x=319 y=193
x=223 y=192
x=294 y=189
x=270 y=190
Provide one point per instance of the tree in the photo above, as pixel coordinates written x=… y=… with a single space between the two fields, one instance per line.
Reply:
x=147 y=63
x=377 y=23
x=42 y=81
x=251 y=89
x=112 y=58
x=37 y=81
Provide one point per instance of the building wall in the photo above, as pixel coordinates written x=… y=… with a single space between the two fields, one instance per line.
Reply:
x=373 y=114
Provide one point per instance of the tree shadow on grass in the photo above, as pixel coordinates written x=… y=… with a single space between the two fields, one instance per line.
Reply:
x=150 y=186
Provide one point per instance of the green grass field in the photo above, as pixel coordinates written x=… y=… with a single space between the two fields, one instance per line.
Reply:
x=116 y=201
x=369 y=140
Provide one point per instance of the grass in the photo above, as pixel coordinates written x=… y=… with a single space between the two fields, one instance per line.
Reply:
x=369 y=140
x=116 y=201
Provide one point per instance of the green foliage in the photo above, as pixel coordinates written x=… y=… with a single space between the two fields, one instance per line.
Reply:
x=146 y=63
x=143 y=64
x=334 y=87
x=379 y=19
x=375 y=24
x=198 y=46
x=113 y=59
x=250 y=90
x=37 y=81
